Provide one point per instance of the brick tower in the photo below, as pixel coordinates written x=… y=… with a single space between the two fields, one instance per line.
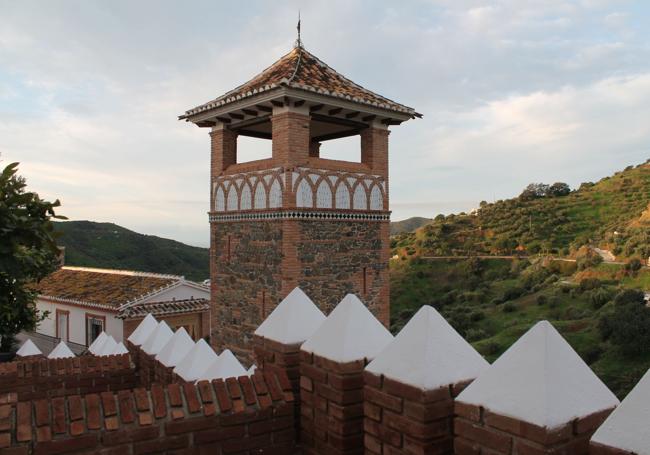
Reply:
x=296 y=219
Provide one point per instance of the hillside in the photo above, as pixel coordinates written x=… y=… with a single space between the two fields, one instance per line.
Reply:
x=598 y=307
x=108 y=245
x=610 y=214
x=407 y=225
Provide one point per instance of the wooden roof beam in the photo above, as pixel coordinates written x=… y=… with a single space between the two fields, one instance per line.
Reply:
x=250 y=112
x=263 y=108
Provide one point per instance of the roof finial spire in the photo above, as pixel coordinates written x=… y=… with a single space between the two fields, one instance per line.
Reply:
x=298 y=41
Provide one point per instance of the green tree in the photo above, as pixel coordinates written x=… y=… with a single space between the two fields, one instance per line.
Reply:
x=28 y=253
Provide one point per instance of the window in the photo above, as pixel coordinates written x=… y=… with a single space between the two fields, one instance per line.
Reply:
x=63 y=325
x=94 y=326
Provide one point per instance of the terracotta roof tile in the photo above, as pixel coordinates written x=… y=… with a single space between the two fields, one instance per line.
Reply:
x=102 y=287
x=302 y=70
x=164 y=308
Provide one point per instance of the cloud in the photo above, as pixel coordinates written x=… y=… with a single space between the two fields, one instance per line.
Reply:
x=512 y=92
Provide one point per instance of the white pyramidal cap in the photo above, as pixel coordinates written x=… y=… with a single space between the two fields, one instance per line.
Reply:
x=96 y=346
x=120 y=349
x=541 y=380
x=143 y=330
x=178 y=346
x=349 y=333
x=225 y=366
x=108 y=347
x=28 y=348
x=61 y=351
x=293 y=321
x=196 y=361
x=428 y=353
x=157 y=339
x=626 y=428
x=251 y=370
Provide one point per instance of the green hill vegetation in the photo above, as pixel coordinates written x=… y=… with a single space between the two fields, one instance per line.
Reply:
x=408 y=225
x=554 y=273
x=108 y=245
x=611 y=213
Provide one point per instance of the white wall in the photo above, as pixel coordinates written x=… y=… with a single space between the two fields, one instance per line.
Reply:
x=77 y=321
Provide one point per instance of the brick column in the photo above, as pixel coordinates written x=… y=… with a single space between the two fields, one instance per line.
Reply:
x=552 y=403
x=290 y=132
x=277 y=341
x=400 y=418
x=374 y=148
x=625 y=432
x=223 y=147
x=411 y=385
x=331 y=378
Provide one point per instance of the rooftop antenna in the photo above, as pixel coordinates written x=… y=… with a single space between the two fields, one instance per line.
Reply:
x=298 y=41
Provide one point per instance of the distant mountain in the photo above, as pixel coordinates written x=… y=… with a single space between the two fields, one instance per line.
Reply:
x=408 y=225
x=108 y=245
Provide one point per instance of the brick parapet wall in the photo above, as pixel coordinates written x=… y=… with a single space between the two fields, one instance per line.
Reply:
x=600 y=449
x=239 y=415
x=331 y=411
x=45 y=378
x=400 y=418
x=479 y=431
x=274 y=357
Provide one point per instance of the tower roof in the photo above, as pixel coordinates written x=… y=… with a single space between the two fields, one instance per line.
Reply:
x=428 y=353
x=626 y=427
x=541 y=380
x=294 y=320
x=303 y=71
x=349 y=333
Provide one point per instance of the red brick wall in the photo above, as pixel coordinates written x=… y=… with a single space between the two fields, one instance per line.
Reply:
x=290 y=132
x=400 y=418
x=478 y=431
x=271 y=356
x=331 y=410
x=46 y=378
x=241 y=415
x=599 y=449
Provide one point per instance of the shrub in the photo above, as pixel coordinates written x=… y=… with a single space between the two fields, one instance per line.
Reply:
x=513 y=293
x=592 y=353
x=489 y=348
x=587 y=284
x=629 y=328
x=542 y=299
x=509 y=307
x=477 y=316
x=475 y=334
x=629 y=296
x=599 y=297
x=633 y=265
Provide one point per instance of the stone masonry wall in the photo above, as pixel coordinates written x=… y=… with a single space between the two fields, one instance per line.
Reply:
x=46 y=378
x=258 y=263
x=241 y=415
x=478 y=431
x=334 y=256
x=246 y=281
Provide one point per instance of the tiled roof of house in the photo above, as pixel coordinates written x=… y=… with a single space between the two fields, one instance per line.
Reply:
x=170 y=307
x=102 y=288
x=300 y=69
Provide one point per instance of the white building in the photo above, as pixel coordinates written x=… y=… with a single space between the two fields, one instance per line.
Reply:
x=82 y=302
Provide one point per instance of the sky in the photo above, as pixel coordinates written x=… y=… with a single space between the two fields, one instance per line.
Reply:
x=512 y=92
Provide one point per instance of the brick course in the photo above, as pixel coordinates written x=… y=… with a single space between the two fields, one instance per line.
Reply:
x=331 y=411
x=479 y=431
x=240 y=415
x=399 y=418
x=34 y=378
